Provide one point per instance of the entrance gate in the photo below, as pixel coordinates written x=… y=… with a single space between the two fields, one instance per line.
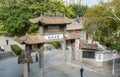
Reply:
x=51 y=28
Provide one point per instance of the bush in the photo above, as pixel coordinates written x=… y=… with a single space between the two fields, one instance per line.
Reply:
x=56 y=44
x=15 y=48
x=115 y=46
x=2 y=33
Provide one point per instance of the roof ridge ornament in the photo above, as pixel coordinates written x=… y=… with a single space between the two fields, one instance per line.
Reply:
x=51 y=18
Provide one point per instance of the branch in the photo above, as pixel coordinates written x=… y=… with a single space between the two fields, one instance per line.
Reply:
x=112 y=10
x=116 y=16
x=112 y=17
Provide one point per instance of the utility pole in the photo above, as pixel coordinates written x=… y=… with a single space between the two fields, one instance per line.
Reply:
x=114 y=54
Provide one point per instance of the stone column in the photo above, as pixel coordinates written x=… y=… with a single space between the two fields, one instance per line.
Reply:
x=41 y=61
x=81 y=55
x=41 y=57
x=63 y=51
x=64 y=46
x=81 y=51
x=41 y=30
x=28 y=47
x=25 y=69
x=73 y=51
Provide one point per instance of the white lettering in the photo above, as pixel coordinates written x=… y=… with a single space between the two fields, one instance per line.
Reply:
x=51 y=37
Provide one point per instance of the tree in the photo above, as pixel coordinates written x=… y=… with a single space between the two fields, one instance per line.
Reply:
x=103 y=25
x=15 y=14
x=113 y=8
x=78 y=9
x=15 y=18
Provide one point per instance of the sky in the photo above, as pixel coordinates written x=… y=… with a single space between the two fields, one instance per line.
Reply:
x=91 y=2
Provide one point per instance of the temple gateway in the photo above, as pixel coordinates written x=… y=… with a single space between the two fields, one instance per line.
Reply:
x=51 y=28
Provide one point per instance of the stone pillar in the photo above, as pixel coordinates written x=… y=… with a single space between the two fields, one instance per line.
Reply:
x=64 y=46
x=81 y=51
x=81 y=55
x=28 y=47
x=63 y=51
x=41 y=30
x=41 y=57
x=73 y=51
x=41 y=49
x=25 y=69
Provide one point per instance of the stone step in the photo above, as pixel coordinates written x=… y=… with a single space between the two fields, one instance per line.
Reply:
x=53 y=68
x=6 y=55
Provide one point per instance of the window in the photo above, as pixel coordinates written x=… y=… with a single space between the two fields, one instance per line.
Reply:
x=88 y=54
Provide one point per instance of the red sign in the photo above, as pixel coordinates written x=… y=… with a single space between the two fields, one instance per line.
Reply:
x=76 y=31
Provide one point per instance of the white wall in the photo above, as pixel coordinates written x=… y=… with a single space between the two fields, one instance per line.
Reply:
x=77 y=53
x=105 y=56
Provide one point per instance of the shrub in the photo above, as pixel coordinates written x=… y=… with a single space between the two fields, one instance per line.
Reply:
x=2 y=33
x=56 y=44
x=115 y=46
x=15 y=48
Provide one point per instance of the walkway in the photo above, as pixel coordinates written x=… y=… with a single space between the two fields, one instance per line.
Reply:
x=13 y=69
x=6 y=55
x=10 y=67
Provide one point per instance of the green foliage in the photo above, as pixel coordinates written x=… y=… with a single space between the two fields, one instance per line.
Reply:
x=33 y=29
x=78 y=9
x=2 y=33
x=16 y=49
x=115 y=46
x=55 y=44
x=15 y=18
x=103 y=25
x=15 y=14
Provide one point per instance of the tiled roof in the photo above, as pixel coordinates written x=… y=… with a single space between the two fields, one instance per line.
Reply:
x=75 y=25
x=51 y=20
x=25 y=58
x=89 y=46
x=31 y=39
x=72 y=36
x=37 y=39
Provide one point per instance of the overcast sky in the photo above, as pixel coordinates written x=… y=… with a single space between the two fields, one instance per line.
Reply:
x=91 y=2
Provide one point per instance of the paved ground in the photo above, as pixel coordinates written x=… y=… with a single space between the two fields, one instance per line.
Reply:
x=70 y=71
x=6 y=55
x=11 y=41
x=10 y=67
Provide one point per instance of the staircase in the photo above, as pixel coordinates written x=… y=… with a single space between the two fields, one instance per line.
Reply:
x=6 y=55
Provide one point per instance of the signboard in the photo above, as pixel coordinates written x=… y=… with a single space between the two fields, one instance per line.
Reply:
x=54 y=37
